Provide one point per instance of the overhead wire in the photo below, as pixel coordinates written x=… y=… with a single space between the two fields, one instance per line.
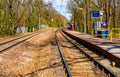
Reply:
x=61 y=5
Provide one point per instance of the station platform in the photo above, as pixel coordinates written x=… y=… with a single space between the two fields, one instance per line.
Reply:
x=103 y=44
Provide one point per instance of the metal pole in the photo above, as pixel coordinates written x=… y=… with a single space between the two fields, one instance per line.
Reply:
x=85 y=12
x=119 y=19
x=119 y=26
x=106 y=12
x=101 y=14
x=84 y=21
x=52 y=22
x=39 y=22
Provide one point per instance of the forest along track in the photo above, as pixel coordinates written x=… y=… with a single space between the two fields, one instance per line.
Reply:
x=11 y=43
x=79 y=65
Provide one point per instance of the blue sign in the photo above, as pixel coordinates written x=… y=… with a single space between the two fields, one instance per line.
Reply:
x=95 y=14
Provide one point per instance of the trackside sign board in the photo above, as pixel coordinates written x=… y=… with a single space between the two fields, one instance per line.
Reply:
x=95 y=14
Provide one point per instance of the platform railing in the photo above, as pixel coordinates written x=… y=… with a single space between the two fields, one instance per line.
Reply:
x=114 y=32
x=99 y=35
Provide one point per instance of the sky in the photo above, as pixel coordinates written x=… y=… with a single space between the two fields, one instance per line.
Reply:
x=61 y=7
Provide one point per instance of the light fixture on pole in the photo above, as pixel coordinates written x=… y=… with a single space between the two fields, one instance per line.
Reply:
x=101 y=14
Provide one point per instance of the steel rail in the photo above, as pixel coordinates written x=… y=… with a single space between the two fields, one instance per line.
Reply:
x=30 y=36
x=107 y=71
x=13 y=39
x=19 y=37
x=16 y=38
x=63 y=59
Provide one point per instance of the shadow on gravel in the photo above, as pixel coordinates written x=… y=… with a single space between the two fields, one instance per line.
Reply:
x=114 y=47
x=54 y=65
x=57 y=64
x=69 y=46
x=53 y=43
x=29 y=45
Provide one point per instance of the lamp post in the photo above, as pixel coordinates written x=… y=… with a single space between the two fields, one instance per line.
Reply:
x=39 y=22
x=101 y=14
x=84 y=18
x=52 y=22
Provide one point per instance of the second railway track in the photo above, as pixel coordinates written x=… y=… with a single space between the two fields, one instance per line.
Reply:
x=11 y=43
x=80 y=64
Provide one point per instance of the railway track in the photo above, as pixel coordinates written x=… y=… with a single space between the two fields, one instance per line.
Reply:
x=94 y=46
x=76 y=64
x=77 y=61
x=11 y=43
